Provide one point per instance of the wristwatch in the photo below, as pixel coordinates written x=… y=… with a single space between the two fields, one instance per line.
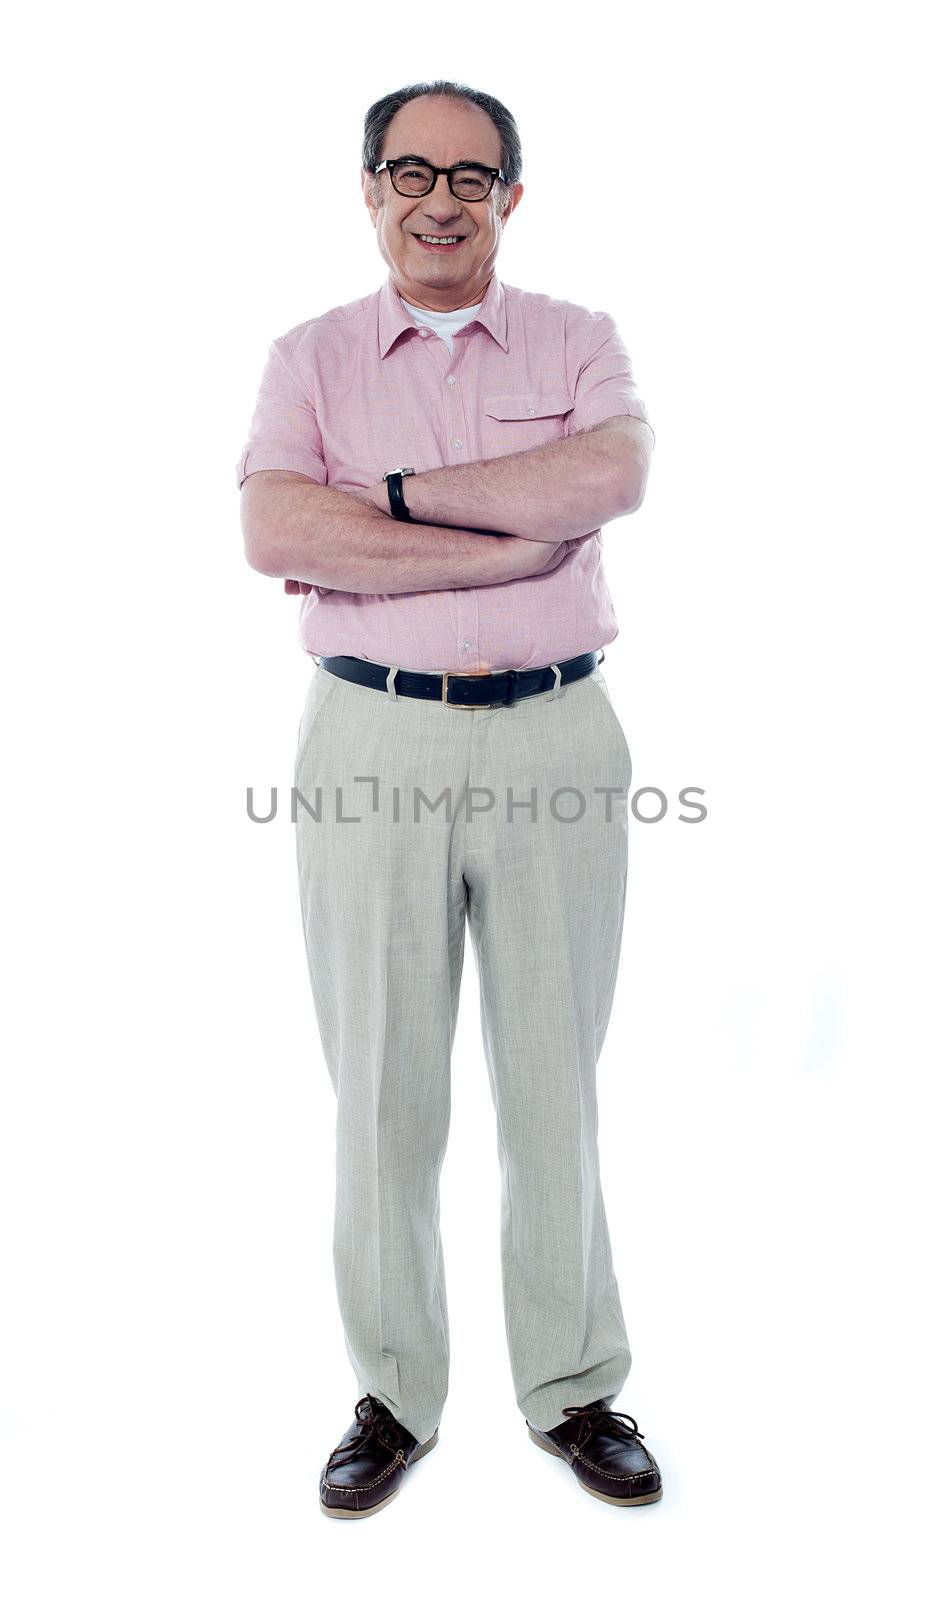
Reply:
x=395 y=491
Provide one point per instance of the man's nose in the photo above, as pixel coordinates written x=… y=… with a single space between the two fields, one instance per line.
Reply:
x=441 y=199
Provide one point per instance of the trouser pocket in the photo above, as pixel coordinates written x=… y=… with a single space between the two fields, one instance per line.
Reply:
x=320 y=691
x=598 y=679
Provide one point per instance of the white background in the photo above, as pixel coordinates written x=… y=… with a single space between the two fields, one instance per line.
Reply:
x=753 y=193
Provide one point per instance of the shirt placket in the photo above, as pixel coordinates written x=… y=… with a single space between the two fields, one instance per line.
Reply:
x=457 y=450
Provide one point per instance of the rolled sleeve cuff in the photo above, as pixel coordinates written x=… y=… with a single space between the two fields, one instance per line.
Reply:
x=597 y=408
x=259 y=458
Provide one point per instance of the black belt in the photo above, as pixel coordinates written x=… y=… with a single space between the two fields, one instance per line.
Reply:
x=462 y=688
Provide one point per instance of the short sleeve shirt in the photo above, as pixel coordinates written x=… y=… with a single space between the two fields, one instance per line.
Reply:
x=362 y=388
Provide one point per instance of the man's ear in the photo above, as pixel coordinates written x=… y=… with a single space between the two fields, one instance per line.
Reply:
x=368 y=190
x=515 y=195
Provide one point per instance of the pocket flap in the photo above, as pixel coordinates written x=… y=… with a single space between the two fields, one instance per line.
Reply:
x=521 y=407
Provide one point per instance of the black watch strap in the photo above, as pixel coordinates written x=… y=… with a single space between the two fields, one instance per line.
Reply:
x=395 y=494
x=398 y=505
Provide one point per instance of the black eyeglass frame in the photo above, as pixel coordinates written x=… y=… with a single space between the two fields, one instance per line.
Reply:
x=460 y=166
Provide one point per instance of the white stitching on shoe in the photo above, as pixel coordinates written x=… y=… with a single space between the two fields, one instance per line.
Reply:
x=624 y=1477
x=358 y=1488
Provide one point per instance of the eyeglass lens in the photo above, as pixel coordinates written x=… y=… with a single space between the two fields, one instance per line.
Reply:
x=414 y=177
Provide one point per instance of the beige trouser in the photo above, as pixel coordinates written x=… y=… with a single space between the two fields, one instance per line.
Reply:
x=406 y=845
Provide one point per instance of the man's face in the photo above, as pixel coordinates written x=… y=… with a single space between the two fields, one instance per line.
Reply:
x=443 y=131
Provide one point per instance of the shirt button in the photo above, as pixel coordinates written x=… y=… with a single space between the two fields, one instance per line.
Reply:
x=457 y=444
x=466 y=645
x=424 y=332
x=531 y=411
x=451 y=379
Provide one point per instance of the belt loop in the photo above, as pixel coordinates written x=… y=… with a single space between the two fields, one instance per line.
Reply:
x=391 y=675
x=557 y=672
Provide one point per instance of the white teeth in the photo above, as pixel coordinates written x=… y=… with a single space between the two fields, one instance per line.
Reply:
x=445 y=238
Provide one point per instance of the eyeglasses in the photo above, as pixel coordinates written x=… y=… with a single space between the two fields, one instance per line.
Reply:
x=467 y=181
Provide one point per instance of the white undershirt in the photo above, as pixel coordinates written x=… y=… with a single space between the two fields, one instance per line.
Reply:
x=445 y=323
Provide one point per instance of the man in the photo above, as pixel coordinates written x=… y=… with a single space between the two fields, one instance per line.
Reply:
x=458 y=757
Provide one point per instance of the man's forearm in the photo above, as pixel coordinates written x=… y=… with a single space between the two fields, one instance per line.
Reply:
x=338 y=540
x=555 y=491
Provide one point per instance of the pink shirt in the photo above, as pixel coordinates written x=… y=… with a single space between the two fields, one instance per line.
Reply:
x=362 y=388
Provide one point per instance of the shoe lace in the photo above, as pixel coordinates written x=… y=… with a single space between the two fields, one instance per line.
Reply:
x=376 y=1421
x=594 y=1415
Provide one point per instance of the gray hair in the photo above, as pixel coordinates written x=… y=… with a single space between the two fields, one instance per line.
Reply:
x=381 y=114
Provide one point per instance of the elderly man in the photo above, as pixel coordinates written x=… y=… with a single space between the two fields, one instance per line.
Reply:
x=502 y=428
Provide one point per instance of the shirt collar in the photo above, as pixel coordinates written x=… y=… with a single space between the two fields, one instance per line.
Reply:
x=392 y=319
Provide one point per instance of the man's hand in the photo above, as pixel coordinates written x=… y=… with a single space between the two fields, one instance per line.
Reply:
x=526 y=558
x=375 y=495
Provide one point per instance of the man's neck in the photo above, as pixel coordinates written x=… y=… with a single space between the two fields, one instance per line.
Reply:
x=475 y=300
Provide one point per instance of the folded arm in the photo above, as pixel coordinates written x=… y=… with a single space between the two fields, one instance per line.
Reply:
x=555 y=491
x=311 y=535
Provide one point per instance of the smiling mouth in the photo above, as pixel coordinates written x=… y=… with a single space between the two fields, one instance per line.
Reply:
x=436 y=241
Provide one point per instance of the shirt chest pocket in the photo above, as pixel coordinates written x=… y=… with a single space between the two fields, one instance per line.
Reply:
x=513 y=422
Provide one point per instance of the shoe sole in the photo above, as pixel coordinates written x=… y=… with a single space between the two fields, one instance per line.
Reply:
x=611 y=1499
x=339 y=1511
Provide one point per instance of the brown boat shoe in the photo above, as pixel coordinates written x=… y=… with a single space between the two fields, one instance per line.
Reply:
x=367 y=1466
x=606 y=1456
